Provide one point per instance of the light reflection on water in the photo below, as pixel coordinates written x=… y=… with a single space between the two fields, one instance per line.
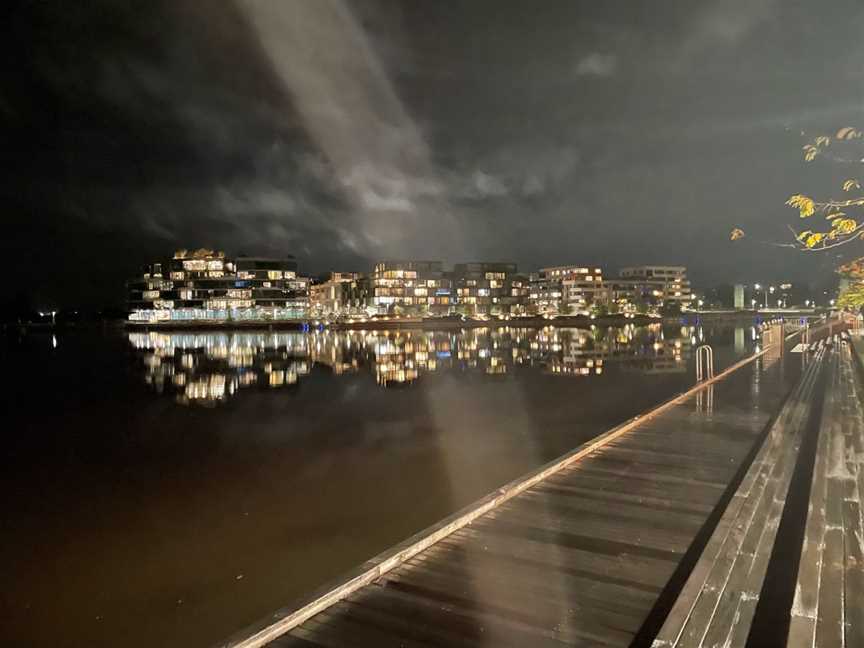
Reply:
x=206 y=368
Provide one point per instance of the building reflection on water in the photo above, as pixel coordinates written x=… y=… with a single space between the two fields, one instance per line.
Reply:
x=206 y=368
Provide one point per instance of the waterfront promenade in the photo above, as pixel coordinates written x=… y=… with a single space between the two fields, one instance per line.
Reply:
x=673 y=530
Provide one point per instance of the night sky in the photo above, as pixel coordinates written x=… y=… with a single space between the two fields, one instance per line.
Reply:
x=543 y=132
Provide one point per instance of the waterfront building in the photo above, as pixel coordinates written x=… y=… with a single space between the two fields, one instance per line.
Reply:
x=344 y=293
x=206 y=285
x=661 y=284
x=414 y=287
x=487 y=288
x=643 y=288
x=567 y=290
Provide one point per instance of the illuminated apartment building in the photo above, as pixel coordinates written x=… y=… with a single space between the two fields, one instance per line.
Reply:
x=570 y=290
x=653 y=285
x=487 y=288
x=205 y=285
x=412 y=286
x=342 y=293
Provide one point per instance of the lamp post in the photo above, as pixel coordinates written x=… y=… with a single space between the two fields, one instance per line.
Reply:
x=764 y=290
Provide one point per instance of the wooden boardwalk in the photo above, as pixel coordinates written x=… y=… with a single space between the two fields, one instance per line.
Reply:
x=718 y=602
x=828 y=610
x=579 y=558
x=716 y=607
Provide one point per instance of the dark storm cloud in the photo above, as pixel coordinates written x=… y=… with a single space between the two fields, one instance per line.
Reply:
x=613 y=132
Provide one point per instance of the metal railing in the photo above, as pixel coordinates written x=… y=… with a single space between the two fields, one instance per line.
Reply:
x=704 y=363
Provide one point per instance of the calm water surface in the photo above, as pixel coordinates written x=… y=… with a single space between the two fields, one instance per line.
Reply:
x=169 y=489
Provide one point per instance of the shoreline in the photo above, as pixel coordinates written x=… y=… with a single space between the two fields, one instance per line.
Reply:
x=575 y=321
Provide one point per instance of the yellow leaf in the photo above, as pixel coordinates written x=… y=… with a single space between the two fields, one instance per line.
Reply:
x=804 y=234
x=736 y=234
x=813 y=239
x=849 y=185
x=845 y=225
x=805 y=205
x=823 y=141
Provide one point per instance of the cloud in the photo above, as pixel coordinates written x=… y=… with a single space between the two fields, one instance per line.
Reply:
x=376 y=202
x=488 y=185
x=597 y=64
x=532 y=186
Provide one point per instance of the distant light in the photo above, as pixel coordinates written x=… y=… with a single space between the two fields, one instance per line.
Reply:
x=54 y=341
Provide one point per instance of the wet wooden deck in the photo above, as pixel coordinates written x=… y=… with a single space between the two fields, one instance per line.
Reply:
x=579 y=558
x=717 y=604
x=828 y=610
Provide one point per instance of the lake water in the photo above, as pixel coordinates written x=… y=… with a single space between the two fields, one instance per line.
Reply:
x=168 y=489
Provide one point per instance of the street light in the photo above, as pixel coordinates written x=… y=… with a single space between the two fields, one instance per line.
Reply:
x=764 y=290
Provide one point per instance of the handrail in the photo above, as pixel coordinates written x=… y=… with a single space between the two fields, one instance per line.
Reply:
x=704 y=368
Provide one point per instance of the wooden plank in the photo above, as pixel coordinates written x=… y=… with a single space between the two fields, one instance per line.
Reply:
x=643 y=572
x=810 y=565
x=644 y=485
x=853 y=574
x=802 y=632
x=609 y=546
x=633 y=470
x=575 y=506
x=671 y=533
x=582 y=621
x=829 y=624
x=615 y=497
x=356 y=631
x=423 y=610
x=445 y=630
x=658 y=453
x=614 y=596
